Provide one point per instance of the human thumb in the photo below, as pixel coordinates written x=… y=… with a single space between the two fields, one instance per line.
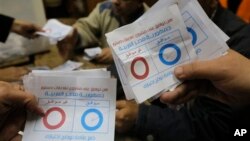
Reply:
x=25 y=99
x=197 y=70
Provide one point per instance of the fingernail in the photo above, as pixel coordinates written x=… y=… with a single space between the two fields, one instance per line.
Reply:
x=41 y=112
x=178 y=71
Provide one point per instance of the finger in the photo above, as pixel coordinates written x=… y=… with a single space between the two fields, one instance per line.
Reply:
x=32 y=28
x=38 y=28
x=120 y=116
x=120 y=104
x=33 y=36
x=18 y=87
x=105 y=59
x=25 y=99
x=23 y=70
x=175 y=96
x=190 y=95
x=30 y=31
x=172 y=96
x=100 y=57
x=197 y=70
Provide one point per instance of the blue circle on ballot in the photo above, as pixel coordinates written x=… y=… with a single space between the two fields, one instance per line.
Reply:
x=194 y=35
x=178 y=52
x=97 y=125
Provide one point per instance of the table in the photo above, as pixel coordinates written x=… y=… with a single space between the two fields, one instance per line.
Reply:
x=53 y=59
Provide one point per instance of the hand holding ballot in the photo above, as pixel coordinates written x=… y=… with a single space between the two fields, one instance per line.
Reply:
x=126 y=115
x=147 y=51
x=67 y=45
x=13 y=97
x=55 y=30
x=63 y=35
x=105 y=56
x=83 y=100
x=81 y=105
x=224 y=74
x=92 y=53
x=25 y=29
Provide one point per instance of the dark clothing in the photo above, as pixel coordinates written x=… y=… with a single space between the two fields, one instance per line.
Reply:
x=205 y=120
x=233 y=5
x=5 y=27
x=236 y=29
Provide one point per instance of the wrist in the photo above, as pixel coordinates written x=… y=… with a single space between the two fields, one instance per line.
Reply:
x=15 y=26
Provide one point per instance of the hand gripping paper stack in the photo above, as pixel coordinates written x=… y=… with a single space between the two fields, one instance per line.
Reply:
x=78 y=105
x=171 y=33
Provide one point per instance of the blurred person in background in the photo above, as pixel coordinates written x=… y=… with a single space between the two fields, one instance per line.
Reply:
x=90 y=31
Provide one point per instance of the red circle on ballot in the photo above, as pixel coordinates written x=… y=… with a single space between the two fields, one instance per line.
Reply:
x=145 y=74
x=45 y=118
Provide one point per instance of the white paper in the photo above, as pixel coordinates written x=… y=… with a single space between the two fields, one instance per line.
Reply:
x=139 y=68
x=147 y=51
x=77 y=107
x=209 y=41
x=55 y=30
x=95 y=73
x=69 y=65
x=93 y=52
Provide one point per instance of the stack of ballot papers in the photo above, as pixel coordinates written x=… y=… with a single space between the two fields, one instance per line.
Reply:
x=171 y=33
x=78 y=105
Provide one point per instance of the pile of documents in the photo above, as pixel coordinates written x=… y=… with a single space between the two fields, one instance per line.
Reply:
x=78 y=105
x=171 y=33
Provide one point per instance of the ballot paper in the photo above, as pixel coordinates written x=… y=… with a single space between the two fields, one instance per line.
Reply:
x=146 y=57
x=55 y=30
x=209 y=41
x=69 y=66
x=79 y=105
x=91 y=53
x=146 y=52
